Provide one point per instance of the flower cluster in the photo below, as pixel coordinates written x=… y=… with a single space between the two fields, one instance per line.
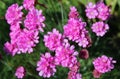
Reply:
x=14 y=14
x=100 y=11
x=91 y=11
x=20 y=72
x=75 y=29
x=103 y=64
x=46 y=65
x=34 y=20
x=53 y=40
x=23 y=39
x=28 y=4
x=73 y=73
x=66 y=56
x=100 y=28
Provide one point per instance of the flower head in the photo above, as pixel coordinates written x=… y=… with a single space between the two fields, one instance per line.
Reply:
x=53 y=39
x=14 y=14
x=28 y=4
x=22 y=41
x=73 y=12
x=91 y=11
x=100 y=28
x=46 y=65
x=74 y=75
x=96 y=74
x=103 y=10
x=103 y=64
x=66 y=56
x=34 y=20
x=20 y=72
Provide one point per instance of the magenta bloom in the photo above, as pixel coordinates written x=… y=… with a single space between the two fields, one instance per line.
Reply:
x=53 y=39
x=10 y=48
x=46 y=65
x=103 y=10
x=100 y=28
x=74 y=75
x=15 y=26
x=22 y=41
x=28 y=4
x=73 y=12
x=96 y=74
x=103 y=64
x=14 y=14
x=91 y=11
x=20 y=72
x=75 y=30
x=34 y=20
x=66 y=56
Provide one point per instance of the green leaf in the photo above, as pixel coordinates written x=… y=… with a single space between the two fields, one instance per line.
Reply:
x=2 y=5
x=111 y=3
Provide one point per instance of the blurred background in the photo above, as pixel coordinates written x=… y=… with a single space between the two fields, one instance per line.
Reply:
x=56 y=13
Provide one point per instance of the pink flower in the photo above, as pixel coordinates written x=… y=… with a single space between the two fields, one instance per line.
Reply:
x=73 y=12
x=66 y=56
x=103 y=10
x=75 y=67
x=22 y=41
x=46 y=65
x=91 y=11
x=26 y=41
x=96 y=74
x=103 y=64
x=74 y=75
x=34 y=20
x=28 y=4
x=10 y=48
x=15 y=26
x=53 y=39
x=100 y=28
x=75 y=30
x=20 y=72
x=14 y=14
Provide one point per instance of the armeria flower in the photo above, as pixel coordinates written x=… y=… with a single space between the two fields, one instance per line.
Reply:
x=75 y=30
x=20 y=72
x=34 y=20
x=28 y=4
x=22 y=41
x=74 y=75
x=53 y=39
x=26 y=41
x=46 y=65
x=103 y=10
x=73 y=12
x=14 y=14
x=75 y=67
x=96 y=74
x=103 y=64
x=91 y=11
x=100 y=28
x=66 y=56
x=15 y=26
x=10 y=48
